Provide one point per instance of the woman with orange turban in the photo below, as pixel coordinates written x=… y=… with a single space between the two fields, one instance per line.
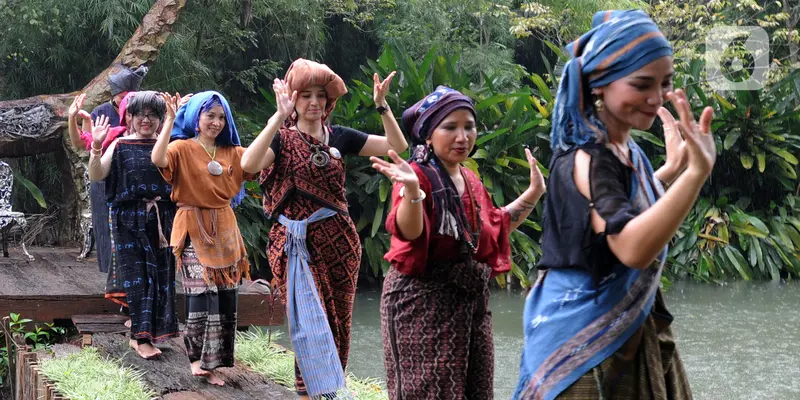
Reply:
x=301 y=155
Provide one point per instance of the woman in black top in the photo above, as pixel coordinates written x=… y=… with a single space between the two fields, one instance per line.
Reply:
x=595 y=324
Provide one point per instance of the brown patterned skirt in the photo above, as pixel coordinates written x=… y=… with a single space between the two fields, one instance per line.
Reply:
x=335 y=257
x=647 y=367
x=437 y=333
x=210 y=315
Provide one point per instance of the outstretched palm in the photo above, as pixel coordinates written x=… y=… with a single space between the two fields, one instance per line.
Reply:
x=171 y=103
x=100 y=131
x=400 y=171
x=701 y=149
x=674 y=143
x=284 y=99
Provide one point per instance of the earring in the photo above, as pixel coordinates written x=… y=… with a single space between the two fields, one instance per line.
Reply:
x=599 y=105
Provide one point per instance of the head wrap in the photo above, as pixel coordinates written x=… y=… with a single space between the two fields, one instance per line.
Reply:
x=619 y=43
x=422 y=118
x=187 y=120
x=304 y=73
x=123 y=108
x=126 y=79
x=419 y=122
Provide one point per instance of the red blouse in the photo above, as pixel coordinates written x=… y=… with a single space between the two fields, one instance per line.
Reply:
x=494 y=248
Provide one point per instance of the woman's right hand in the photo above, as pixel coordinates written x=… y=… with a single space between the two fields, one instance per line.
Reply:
x=400 y=171
x=99 y=131
x=284 y=99
x=701 y=149
x=171 y=103
x=77 y=105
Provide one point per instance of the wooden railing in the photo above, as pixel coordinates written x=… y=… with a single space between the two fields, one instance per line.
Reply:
x=27 y=380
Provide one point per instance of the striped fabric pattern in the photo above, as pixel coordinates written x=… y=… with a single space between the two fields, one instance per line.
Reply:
x=619 y=43
x=312 y=339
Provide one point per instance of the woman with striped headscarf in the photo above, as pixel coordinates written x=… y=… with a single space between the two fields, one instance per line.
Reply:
x=448 y=241
x=595 y=322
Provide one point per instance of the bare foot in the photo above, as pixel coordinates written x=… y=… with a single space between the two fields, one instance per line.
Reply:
x=197 y=371
x=147 y=351
x=214 y=379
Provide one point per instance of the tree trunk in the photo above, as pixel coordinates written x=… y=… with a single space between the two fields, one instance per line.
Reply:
x=38 y=124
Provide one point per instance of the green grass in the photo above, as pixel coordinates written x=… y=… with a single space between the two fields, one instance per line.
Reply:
x=88 y=376
x=260 y=352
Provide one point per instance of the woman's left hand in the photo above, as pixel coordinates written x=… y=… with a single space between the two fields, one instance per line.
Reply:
x=537 y=179
x=674 y=143
x=380 y=89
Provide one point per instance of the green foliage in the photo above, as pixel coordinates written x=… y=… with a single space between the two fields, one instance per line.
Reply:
x=258 y=350
x=87 y=375
x=41 y=337
x=744 y=225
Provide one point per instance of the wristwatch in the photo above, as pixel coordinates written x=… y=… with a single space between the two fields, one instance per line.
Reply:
x=382 y=110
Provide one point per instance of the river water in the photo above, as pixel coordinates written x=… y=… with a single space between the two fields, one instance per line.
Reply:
x=739 y=340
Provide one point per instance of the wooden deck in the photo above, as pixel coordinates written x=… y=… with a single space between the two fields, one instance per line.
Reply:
x=170 y=375
x=56 y=287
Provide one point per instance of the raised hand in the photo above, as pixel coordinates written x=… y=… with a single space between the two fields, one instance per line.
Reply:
x=537 y=179
x=674 y=143
x=172 y=104
x=400 y=171
x=183 y=100
x=99 y=131
x=284 y=99
x=701 y=149
x=77 y=105
x=380 y=89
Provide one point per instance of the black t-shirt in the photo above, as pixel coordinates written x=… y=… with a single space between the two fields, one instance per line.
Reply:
x=347 y=140
x=568 y=240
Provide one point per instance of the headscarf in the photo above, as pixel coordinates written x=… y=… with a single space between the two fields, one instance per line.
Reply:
x=619 y=43
x=126 y=79
x=114 y=132
x=187 y=123
x=419 y=122
x=304 y=73
x=187 y=118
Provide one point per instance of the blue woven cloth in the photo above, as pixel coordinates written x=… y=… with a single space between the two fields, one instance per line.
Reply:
x=312 y=339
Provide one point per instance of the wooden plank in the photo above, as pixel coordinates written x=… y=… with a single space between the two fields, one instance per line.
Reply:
x=56 y=286
x=98 y=319
x=102 y=328
x=172 y=374
x=253 y=309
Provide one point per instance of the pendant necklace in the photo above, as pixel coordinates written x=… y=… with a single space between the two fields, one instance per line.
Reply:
x=214 y=168
x=319 y=157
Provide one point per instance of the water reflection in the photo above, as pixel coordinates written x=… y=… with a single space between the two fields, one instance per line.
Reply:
x=737 y=341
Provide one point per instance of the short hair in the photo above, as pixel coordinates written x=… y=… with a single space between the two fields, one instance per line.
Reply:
x=147 y=99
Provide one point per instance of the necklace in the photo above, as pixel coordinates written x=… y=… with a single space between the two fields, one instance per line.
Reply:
x=319 y=157
x=214 y=168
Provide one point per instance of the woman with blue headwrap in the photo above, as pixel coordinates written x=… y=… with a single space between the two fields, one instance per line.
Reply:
x=203 y=164
x=595 y=322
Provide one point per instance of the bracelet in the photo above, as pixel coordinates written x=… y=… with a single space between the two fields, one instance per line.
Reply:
x=413 y=201
x=382 y=110
x=100 y=149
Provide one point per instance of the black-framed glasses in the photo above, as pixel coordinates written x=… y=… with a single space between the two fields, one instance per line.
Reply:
x=149 y=117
